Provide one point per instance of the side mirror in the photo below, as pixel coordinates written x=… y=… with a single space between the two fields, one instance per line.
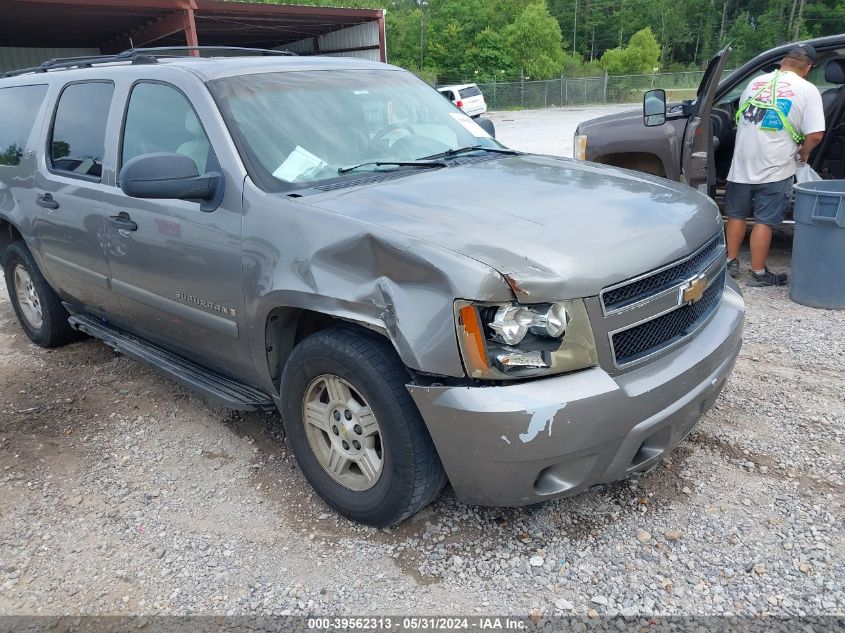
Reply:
x=486 y=125
x=654 y=107
x=167 y=175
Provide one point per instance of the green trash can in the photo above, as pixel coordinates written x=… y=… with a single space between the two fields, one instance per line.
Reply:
x=818 y=248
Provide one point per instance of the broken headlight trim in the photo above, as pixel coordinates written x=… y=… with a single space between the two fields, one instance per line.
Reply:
x=508 y=341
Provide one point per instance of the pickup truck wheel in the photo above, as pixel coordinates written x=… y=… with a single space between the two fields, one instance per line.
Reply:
x=40 y=313
x=354 y=429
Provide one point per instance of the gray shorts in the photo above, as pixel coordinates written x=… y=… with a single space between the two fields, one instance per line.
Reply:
x=770 y=200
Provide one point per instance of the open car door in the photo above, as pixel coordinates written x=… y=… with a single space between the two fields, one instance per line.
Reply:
x=697 y=164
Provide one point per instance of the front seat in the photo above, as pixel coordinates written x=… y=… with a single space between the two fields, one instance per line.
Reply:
x=197 y=147
x=834 y=73
x=829 y=155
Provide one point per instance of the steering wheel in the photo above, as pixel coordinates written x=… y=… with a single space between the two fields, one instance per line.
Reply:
x=387 y=129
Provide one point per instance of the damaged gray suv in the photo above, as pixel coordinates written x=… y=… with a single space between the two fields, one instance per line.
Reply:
x=331 y=238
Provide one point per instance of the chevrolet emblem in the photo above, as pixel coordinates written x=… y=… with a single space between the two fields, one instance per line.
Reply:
x=694 y=289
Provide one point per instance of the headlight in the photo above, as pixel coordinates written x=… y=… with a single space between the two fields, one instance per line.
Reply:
x=579 y=147
x=510 y=340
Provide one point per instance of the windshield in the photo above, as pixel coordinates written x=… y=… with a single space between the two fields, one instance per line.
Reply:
x=302 y=127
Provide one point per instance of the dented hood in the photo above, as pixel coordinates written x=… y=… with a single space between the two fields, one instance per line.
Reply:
x=557 y=228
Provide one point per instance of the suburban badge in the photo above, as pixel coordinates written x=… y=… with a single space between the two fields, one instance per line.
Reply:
x=208 y=305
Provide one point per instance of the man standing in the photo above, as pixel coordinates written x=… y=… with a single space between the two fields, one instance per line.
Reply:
x=780 y=118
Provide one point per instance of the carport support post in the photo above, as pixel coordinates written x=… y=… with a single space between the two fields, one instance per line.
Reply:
x=190 y=27
x=382 y=38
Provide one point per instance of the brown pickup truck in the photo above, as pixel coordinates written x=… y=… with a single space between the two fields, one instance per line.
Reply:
x=667 y=140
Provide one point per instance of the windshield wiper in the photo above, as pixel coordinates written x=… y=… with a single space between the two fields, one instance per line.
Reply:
x=394 y=163
x=472 y=148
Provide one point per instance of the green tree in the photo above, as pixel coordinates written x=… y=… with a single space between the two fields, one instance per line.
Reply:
x=488 y=57
x=535 y=43
x=641 y=55
x=446 y=52
x=60 y=149
x=403 y=37
x=687 y=32
x=11 y=155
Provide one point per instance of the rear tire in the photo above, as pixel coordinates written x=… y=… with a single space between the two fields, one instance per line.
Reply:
x=344 y=398
x=39 y=310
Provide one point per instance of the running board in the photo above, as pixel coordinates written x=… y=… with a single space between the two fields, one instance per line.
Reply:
x=216 y=387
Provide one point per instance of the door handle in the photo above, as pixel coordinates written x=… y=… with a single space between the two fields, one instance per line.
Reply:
x=123 y=222
x=46 y=200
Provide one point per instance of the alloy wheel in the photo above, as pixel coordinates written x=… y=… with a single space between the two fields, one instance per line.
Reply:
x=28 y=299
x=343 y=432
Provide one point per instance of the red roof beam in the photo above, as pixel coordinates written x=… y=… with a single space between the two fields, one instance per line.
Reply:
x=218 y=6
x=150 y=32
x=167 y=5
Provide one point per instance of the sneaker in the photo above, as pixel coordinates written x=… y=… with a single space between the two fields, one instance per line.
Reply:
x=733 y=267
x=768 y=278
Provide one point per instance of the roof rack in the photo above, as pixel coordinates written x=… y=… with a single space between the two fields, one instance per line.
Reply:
x=139 y=56
x=159 y=50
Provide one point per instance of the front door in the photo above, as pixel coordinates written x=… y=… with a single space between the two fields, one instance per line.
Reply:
x=68 y=209
x=175 y=268
x=697 y=160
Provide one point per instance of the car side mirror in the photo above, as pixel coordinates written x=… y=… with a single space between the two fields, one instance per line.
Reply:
x=654 y=107
x=486 y=125
x=167 y=175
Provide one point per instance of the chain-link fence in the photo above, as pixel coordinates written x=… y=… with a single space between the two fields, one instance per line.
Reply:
x=565 y=91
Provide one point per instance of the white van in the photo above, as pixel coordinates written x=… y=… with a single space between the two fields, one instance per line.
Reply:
x=467 y=97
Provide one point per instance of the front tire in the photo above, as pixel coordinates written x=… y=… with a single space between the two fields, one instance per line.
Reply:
x=39 y=310
x=354 y=429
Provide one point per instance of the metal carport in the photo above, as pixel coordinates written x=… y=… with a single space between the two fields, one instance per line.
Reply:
x=34 y=30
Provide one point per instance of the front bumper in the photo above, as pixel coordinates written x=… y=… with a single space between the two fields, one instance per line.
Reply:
x=519 y=444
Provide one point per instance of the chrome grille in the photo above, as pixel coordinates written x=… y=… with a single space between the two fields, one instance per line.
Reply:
x=650 y=337
x=641 y=288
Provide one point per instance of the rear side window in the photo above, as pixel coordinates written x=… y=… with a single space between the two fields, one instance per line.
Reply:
x=78 y=137
x=472 y=91
x=19 y=106
x=160 y=119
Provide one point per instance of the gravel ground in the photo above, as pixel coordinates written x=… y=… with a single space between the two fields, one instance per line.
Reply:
x=547 y=131
x=124 y=494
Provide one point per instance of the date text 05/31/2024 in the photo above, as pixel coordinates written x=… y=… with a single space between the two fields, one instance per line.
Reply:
x=428 y=623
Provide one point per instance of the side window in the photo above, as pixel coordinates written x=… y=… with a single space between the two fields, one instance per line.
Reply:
x=160 y=119
x=78 y=137
x=19 y=106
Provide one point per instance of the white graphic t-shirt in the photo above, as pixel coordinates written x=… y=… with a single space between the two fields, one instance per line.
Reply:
x=765 y=151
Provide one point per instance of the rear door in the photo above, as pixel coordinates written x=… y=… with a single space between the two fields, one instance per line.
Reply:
x=68 y=210
x=697 y=160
